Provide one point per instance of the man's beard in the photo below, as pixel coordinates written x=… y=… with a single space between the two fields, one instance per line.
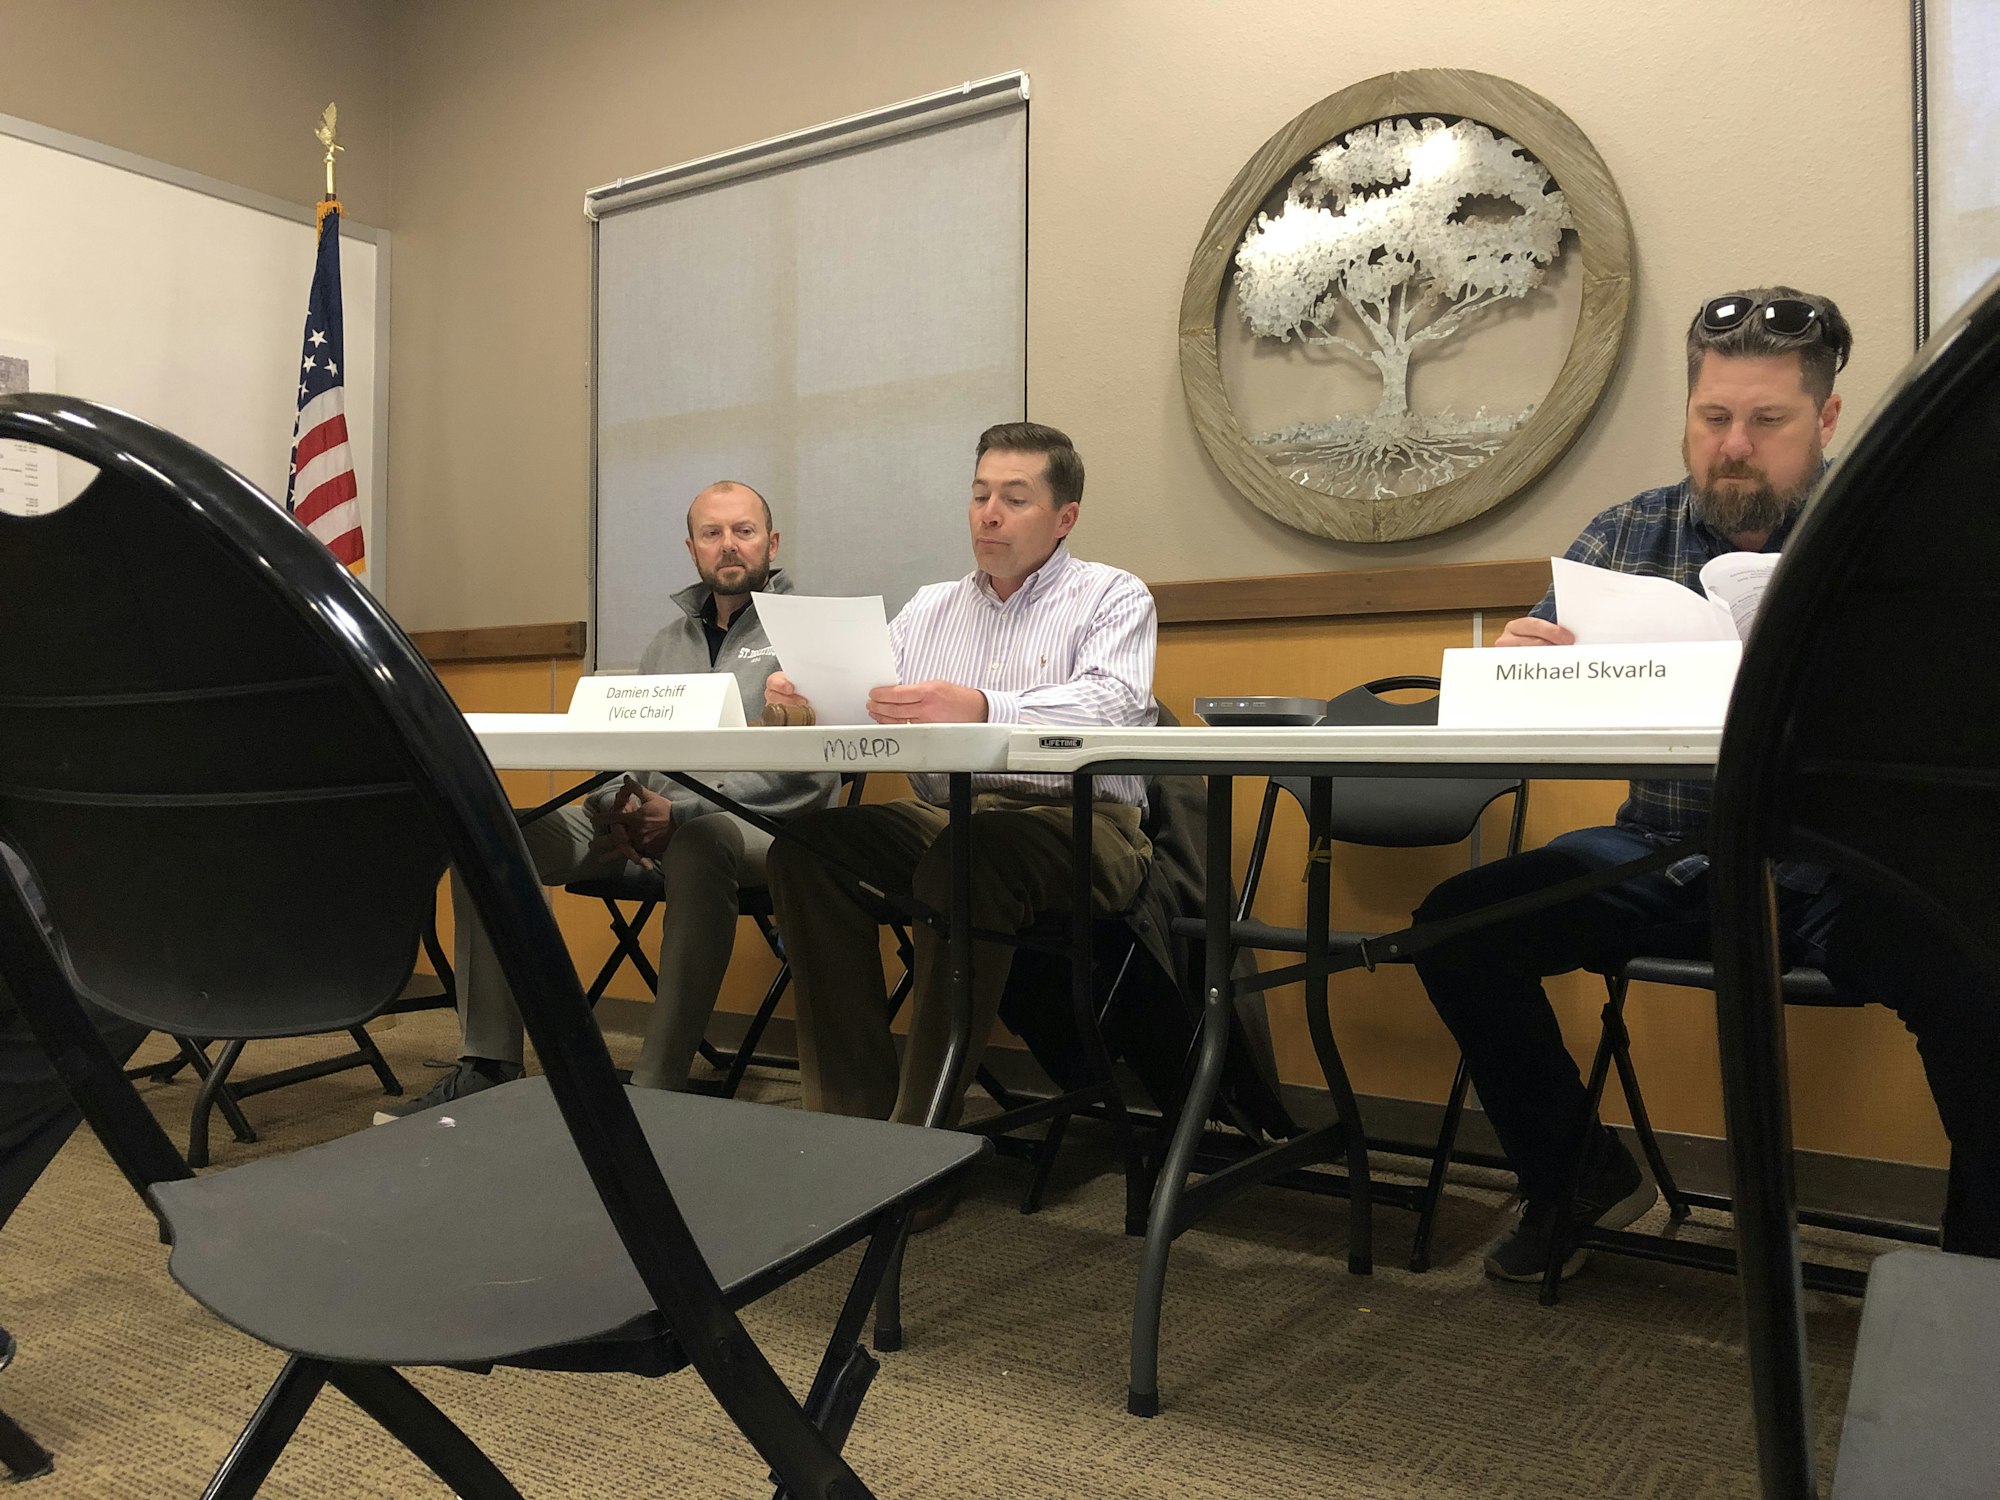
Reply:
x=1740 y=508
x=755 y=576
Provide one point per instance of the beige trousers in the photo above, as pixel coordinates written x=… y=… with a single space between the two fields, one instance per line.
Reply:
x=1021 y=866
x=705 y=862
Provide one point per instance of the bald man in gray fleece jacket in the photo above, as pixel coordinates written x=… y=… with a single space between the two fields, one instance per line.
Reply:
x=704 y=854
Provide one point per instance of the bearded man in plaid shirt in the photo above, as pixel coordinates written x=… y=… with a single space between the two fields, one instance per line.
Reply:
x=1761 y=409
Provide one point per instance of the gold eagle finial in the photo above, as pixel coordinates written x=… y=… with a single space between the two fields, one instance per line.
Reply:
x=324 y=134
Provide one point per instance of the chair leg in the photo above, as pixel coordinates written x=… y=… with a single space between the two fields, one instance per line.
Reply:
x=1044 y=1163
x=1454 y=1110
x=1678 y=1208
x=372 y=1055
x=270 y=1427
x=746 y=1053
x=194 y=1055
x=889 y=1299
x=1360 y=1195
x=21 y=1456
x=625 y=948
x=214 y=1088
x=1600 y=1066
x=845 y=1369
x=407 y=1415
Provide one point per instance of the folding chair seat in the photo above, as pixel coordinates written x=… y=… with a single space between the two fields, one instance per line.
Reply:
x=1799 y=986
x=1380 y=812
x=191 y=672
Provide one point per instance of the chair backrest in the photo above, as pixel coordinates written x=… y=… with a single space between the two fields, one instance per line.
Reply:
x=225 y=844
x=1392 y=812
x=1861 y=734
x=235 y=778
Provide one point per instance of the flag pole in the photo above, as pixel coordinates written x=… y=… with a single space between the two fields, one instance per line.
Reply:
x=322 y=492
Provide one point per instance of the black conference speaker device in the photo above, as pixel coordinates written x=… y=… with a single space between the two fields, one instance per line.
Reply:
x=1259 y=712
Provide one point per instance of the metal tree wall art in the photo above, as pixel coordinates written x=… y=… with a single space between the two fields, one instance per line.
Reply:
x=1440 y=221
x=1409 y=229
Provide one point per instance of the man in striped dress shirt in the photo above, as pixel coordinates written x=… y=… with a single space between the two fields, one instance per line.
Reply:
x=1031 y=636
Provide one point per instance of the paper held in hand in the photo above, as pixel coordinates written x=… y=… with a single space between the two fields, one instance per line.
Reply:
x=699 y=700
x=1601 y=607
x=835 y=650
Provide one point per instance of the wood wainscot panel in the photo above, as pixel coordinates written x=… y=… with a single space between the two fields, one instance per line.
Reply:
x=1515 y=584
x=563 y=641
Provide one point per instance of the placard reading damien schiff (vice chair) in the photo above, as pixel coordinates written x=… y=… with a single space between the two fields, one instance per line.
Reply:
x=699 y=700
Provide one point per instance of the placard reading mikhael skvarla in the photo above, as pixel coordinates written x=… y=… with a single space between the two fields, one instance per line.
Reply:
x=1676 y=685
x=699 y=700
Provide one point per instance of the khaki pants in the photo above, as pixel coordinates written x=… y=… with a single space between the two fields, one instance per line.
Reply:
x=1021 y=866
x=705 y=862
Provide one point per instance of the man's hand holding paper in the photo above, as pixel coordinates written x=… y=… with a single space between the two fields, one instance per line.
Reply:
x=835 y=653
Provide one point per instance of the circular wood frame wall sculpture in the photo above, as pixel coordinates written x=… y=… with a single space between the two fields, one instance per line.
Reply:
x=1604 y=233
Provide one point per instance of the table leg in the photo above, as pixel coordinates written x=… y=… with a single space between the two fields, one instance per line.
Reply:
x=1319 y=1021
x=889 y=1300
x=959 y=941
x=1142 y=1397
x=1083 y=998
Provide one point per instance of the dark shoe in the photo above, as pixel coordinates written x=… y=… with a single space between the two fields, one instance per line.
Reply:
x=470 y=1076
x=1613 y=1193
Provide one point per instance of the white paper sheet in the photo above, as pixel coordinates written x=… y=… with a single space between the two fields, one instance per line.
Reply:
x=1602 y=608
x=834 y=650
x=1737 y=580
x=27 y=471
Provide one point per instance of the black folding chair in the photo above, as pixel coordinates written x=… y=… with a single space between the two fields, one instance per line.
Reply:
x=644 y=891
x=191 y=680
x=1861 y=735
x=1800 y=986
x=1381 y=812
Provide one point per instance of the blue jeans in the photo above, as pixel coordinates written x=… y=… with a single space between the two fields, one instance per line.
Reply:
x=1487 y=986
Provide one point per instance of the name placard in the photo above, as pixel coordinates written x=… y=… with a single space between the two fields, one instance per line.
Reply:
x=698 y=700
x=1669 y=686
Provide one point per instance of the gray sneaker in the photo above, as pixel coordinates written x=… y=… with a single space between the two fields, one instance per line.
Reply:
x=472 y=1075
x=1613 y=1194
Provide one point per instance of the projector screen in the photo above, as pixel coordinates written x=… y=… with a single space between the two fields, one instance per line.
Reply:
x=834 y=332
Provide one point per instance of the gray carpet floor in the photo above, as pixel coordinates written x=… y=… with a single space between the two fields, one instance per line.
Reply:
x=1282 y=1375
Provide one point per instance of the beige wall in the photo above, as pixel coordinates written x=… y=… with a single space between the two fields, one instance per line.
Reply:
x=229 y=88
x=1752 y=141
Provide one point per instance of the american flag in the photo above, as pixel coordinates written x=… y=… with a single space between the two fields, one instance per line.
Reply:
x=321 y=491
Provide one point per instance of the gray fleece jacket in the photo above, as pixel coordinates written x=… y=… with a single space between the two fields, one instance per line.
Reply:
x=681 y=647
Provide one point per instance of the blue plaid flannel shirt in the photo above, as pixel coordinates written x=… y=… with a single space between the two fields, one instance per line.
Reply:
x=1657 y=535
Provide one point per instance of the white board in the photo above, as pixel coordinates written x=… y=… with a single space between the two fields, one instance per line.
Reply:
x=183 y=300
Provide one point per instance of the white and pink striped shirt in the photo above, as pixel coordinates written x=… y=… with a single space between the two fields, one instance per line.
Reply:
x=1074 y=645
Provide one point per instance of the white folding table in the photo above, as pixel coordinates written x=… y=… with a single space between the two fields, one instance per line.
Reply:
x=1322 y=754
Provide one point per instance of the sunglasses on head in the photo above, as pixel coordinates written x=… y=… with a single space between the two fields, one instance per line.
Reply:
x=1789 y=317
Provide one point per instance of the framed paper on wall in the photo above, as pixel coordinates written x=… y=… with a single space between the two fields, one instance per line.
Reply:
x=1956 y=57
